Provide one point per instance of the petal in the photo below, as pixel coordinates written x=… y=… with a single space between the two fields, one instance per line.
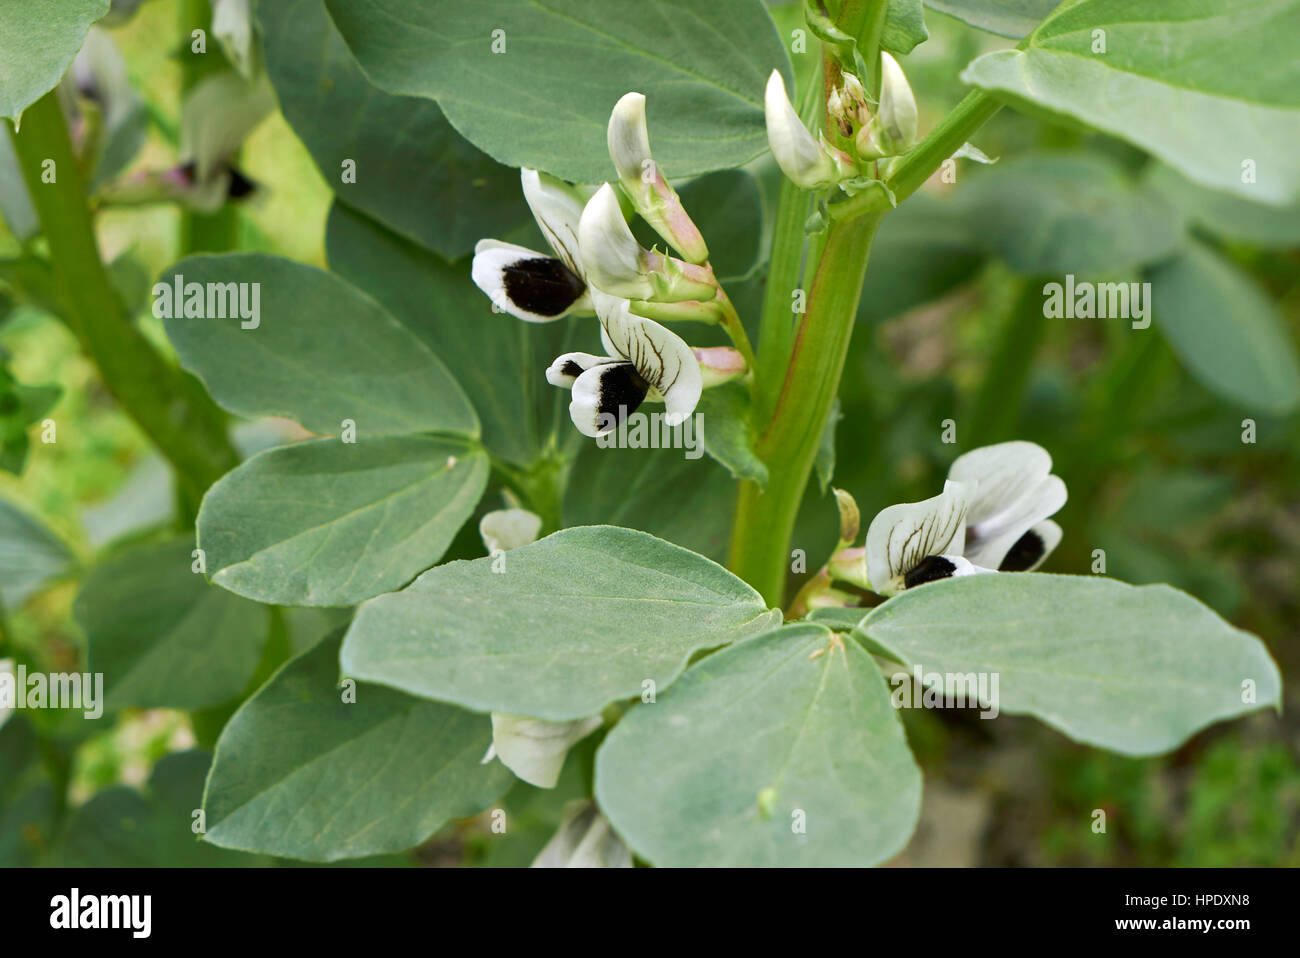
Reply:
x=614 y=259
x=793 y=147
x=534 y=749
x=585 y=839
x=629 y=141
x=661 y=357
x=1013 y=489
x=719 y=364
x=936 y=567
x=901 y=536
x=567 y=368
x=531 y=286
x=1032 y=549
x=557 y=209
x=604 y=396
x=507 y=529
x=897 y=104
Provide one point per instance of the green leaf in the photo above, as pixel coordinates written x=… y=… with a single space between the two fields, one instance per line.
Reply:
x=1228 y=215
x=332 y=523
x=37 y=43
x=755 y=741
x=30 y=554
x=414 y=173
x=321 y=352
x=1212 y=90
x=724 y=412
x=1226 y=330
x=499 y=360
x=1060 y=213
x=925 y=230
x=904 y=26
x=543 y=100
x=629 y=487
x=1006 y=18
x=302 y=773
x=575 y=621
x=162 y=636
x=1135 y=669
x=121 y=827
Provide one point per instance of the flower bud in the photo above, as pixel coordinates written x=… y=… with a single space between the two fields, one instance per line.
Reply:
x=850 y=565
x=719 y=364
x=850 y=518
x=616 y=264
x=897 y=114
x=654 y=199
x=800 y=157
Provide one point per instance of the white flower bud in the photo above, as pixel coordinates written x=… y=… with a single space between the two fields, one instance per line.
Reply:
x=897 y=114
x=798 y=154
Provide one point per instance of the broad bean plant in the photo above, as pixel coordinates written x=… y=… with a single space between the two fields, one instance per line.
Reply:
x=574 y=468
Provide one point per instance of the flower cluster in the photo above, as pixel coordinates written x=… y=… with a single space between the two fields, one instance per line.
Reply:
x=816 y=163
x=599 y=267
x=992 y=516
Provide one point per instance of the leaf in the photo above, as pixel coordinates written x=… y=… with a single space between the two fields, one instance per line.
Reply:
x=121 y=827
x=543 y=100
x=162 y=636
x=30 y=554
x=724 y=412
x=332 y=523
x=321 y=352
x=576 y=621
x=1135 y=669
x=752 y=743
x=301 y=773
x=1212 y=90
x=499 y=360
x=925 y=230
x=629 y=487
x=37 y=43
x=904 y=26
x=1226 y=330
x=1228 y=215
x=414 y=173
x=1006 y=18
x=1060 y=213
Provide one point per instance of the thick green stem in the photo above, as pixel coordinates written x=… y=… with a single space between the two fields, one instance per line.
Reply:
x=171 y=408
x=765 y=517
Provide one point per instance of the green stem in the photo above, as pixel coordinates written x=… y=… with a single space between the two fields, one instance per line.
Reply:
x=765 y=517
x=735 y=328
x=170 y=407
x=997 y=404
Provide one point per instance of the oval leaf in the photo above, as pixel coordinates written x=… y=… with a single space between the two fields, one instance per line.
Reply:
x=332 y=523
x=1135 y=669
x=302 y=773
x=574 y=622
x=318 y=351
x=37 y=43
x=781 y=750
x=1184 y=84
x=163 y=636
x=533 y=84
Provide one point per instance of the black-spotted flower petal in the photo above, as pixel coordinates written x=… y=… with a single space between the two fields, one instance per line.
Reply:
x=917 y=542
x=1012 y=493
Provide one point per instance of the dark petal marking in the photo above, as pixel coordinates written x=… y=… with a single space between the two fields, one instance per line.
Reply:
x=572 y=368
x=929 y=569
x=622 y=390
x=1028 y=549
x=240 y=185
x=542 y=285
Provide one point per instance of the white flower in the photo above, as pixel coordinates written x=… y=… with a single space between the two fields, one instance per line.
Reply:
x=893 y=129
x=1007 y=525
x=917 y=542
x=535 y=749
x=585 y=839
x=232 y=26
x=644 y=361
x=533 y=286
x=655 y=200
x=507 y=529
x=799 y=155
